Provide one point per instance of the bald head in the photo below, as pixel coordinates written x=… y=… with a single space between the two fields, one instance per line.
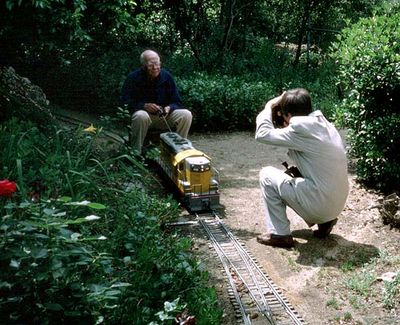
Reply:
x=151 y=63
x=149 y=56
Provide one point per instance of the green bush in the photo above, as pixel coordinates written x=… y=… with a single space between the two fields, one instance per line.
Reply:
x=231 y=96
x=368 y=54
x=65 y=258
x=226 y=103
x=221 y=103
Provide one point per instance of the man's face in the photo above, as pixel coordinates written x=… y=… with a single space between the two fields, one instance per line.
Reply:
x=153 y=66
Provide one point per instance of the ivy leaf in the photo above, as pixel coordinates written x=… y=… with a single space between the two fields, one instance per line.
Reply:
x=15 y=263
x=97 y=206
x=39 y=253
x=53 y=306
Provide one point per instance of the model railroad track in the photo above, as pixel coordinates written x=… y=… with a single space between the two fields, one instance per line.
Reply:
x=256 y=299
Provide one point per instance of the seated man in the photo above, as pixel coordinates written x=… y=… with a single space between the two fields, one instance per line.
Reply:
x=319 y=194
x=147 y=92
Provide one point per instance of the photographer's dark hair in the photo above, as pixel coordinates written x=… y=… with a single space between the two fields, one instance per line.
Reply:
x=296 y=102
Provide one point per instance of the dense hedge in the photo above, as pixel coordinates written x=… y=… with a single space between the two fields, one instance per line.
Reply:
x=222 y=102
x=368 y=55
x=225 y=103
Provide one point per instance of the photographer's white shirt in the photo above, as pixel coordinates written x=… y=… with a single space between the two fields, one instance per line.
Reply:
x=317 y=150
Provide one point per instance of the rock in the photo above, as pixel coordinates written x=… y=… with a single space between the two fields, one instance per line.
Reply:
x=390 y=210
x=388 y=276
x=21 y=99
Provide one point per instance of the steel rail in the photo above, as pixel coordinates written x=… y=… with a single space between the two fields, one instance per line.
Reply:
x=245 y=257
x=262 y=275
x=263 y=308
x=247 y=271
x=242 y=309
x=222 y=255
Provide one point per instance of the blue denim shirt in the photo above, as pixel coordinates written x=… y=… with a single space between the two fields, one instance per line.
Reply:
x=138 y=90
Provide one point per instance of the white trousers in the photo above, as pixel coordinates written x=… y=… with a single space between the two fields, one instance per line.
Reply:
x=181 y=119
x=278 y=192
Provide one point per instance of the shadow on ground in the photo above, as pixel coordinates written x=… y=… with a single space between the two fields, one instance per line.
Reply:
x=334 y=251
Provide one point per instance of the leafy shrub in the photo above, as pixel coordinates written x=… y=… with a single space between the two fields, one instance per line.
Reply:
x=226 y=103
x=220 y=102
x=368 y=54
x=52 y=164
x=48 y=264
x=66 y=259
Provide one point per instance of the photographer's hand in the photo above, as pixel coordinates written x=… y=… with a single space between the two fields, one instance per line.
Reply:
x=276 y=112
x=276 y=100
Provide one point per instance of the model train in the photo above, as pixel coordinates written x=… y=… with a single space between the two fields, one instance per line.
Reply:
x=190 y=171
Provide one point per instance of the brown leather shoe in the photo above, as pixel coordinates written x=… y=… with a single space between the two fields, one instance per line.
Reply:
x=324 y=229
x=276 y=240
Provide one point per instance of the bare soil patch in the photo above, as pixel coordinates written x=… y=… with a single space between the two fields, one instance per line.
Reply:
x=331 y=281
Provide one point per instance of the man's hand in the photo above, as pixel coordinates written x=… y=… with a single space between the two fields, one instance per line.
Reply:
x=277 y=117
x=152 y=108
x=276 y=100
x=163 y=112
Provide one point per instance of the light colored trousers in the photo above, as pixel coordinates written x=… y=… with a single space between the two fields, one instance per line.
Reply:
x=181 y=119
x=278 y=193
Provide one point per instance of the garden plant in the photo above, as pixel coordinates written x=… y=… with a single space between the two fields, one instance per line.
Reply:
x=81 y=243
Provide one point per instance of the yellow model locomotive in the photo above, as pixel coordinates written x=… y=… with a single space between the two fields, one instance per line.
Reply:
x=191 y=172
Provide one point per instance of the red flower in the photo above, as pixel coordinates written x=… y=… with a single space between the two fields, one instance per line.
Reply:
x=7 y=188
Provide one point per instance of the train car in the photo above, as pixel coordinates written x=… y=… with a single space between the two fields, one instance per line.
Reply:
x=191 y=172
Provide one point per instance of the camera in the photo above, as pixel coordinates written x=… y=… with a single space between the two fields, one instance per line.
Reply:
x=277 y=116
x=292 y=171
x=161 y=112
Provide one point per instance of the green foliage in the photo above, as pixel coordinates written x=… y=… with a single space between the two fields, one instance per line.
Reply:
x=92 y=83
x=48 y=260
x=55 y=22
x=369 y=72
x=364 y=282
x=221 y=102
x=41 y=167
x=232 y=101
x=79 y=52
x=391 y=292
x=84 y=242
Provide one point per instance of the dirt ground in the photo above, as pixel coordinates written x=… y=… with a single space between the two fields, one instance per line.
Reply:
x=317 y=276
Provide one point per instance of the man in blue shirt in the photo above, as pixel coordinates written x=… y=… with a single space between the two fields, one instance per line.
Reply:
x=147 y=92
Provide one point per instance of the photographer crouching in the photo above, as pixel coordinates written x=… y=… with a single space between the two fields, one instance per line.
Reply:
x=319 y=189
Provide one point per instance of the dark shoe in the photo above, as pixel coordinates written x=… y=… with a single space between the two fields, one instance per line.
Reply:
x=276 y=240
x=324 y=229
x=309 y=224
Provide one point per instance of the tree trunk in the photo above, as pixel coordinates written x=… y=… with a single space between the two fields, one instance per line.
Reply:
x=302 y=31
